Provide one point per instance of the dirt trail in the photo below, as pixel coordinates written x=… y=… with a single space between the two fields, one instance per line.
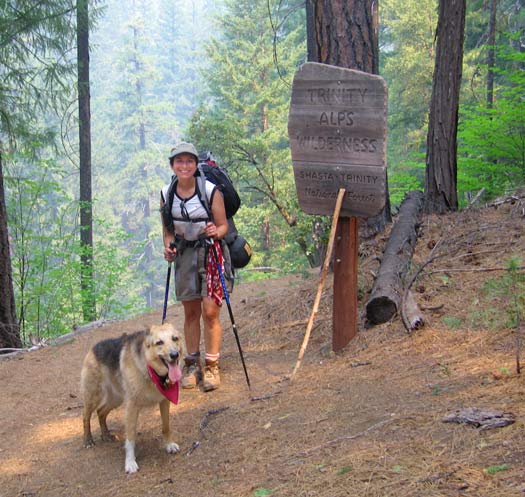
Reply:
x=367 y=422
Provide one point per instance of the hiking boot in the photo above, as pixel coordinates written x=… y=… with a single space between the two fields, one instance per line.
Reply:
x=212 y=378
x=191 y=373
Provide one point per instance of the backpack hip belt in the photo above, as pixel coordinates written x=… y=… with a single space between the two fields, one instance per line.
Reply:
x=181 y=243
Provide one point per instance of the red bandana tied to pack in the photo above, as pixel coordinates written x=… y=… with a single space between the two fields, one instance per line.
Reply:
x=213 y=279
x=170 y=390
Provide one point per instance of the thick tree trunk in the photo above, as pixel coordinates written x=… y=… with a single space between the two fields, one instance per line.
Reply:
x=343 y=34
x=84 y=131
x=387 y=293
x=441 y=161
x=9 y=329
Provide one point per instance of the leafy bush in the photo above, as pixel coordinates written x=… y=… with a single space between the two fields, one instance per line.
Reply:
x=491 y=140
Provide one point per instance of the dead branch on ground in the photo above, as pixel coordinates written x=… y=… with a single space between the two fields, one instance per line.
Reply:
x=265 y=397
x=209 y=414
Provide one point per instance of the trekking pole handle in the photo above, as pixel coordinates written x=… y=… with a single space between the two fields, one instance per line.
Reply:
x=166 y=294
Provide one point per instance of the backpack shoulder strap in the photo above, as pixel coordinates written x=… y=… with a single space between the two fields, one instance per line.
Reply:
x=171 y=192
x=168 y=203
x=200 y=184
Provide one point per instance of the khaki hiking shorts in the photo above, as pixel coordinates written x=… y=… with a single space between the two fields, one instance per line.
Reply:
x=190 y=273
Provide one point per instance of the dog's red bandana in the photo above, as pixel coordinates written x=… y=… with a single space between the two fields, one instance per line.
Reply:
x=170 y=390
x=213 y=279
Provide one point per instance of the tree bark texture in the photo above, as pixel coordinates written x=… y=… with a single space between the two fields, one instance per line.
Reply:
x=9 y=329
x=84 y=131
x=441 y=160
x=387 y=292
x=343 y=33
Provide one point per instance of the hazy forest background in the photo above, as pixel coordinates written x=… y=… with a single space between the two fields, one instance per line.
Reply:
x=218 y=73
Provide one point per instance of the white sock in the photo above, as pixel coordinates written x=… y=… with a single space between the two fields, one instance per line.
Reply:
x=212 y=357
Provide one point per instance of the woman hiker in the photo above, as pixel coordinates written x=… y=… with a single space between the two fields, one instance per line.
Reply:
x=193 y=241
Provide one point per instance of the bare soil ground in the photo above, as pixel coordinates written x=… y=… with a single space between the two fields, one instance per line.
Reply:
x=364 y=422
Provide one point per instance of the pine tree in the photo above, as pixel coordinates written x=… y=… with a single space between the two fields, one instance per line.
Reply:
x=406 y=62
x=84 y=132
x=148 y=87
x=245 y=121
x=35 y=39
x=9 y=329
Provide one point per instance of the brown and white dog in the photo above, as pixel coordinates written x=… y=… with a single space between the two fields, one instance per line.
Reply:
x=115 y=371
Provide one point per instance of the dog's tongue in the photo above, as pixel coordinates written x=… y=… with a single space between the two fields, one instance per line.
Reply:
x=174 y=373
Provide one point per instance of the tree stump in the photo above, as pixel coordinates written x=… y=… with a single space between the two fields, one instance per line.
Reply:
x=387 y=293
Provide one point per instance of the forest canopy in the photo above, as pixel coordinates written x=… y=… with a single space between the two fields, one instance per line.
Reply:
x=217 y=73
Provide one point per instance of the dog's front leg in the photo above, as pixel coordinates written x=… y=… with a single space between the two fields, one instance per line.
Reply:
x=171 y=446
x=132 y=414
x=88 y=437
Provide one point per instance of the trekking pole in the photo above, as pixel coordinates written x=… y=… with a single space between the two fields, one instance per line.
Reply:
x=166 y=294
x=227 y=297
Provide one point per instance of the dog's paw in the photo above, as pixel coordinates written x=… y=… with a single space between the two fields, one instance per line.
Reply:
x=172 y=448
x=109 y=437
x=89 y=443
x=131 y=467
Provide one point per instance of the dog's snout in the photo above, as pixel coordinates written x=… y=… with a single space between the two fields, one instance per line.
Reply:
x=174 y=355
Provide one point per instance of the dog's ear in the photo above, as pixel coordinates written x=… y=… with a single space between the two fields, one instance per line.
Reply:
x=182 y=344
x=147 y=336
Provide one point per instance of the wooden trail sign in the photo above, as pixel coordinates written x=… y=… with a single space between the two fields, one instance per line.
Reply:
x=337 y=131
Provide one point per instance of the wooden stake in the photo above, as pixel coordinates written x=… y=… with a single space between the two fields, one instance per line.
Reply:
x=324 y=271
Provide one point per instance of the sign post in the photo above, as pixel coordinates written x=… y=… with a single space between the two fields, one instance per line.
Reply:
x=337 y=131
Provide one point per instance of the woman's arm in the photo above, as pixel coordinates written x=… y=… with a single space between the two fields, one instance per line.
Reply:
x=219 y=227
x=168 y=239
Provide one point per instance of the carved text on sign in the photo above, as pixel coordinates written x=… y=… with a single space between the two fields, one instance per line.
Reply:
x=337 y=118
x=333 y=176
x=338 y=144
x=337 y=95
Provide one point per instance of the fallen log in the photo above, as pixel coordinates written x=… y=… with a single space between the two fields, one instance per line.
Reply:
x=387 y=293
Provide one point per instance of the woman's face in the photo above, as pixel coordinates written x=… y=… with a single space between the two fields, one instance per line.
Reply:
x=184 y=165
